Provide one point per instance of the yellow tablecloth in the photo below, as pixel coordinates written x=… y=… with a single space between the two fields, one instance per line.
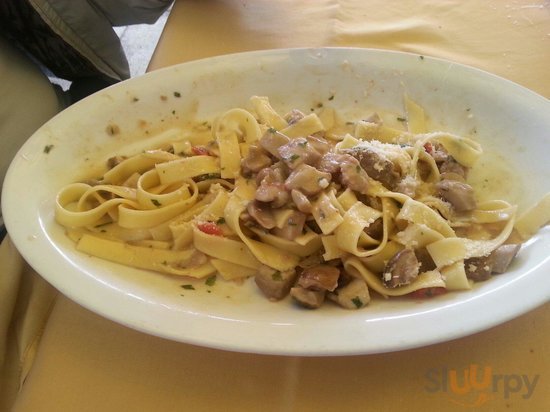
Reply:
x=84 y=362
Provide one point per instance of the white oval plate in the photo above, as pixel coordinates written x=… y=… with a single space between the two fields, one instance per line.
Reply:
x=511 y=122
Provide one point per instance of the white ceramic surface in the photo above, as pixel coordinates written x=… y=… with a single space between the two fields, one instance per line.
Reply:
x=511 y=122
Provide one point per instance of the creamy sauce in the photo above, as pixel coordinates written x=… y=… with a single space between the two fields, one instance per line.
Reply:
x=494 y=177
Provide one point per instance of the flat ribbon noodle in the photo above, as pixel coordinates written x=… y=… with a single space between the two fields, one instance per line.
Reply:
x=464 y=150
x=136 y=218
x=230 y=154
x=311 y=245
x=232 y=271
x=416 y=212
x=357 y=218
x=85 y=214
x=241 y=122
x=534 y=218
x=266 y=254
x=447 y=251
x=187 y=167
x=306 y=126
x=267 y=114
x=428 y=279
x=223 y=248
x=151 y=194
x=160 y=260
x=138 y=163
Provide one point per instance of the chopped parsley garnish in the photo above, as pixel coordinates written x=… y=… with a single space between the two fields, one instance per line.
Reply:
x=421 y=57
x=177 y=94
x=357 y=302
x=220 y=221
x=277 y=276
x=48 y=148
x=156 y=202
x=401 y=119
x=188 y=287
x=210 y=281
x=331 y=97
x=272 y=130
x=294 y=157
x=112 y=129
x=207 y=176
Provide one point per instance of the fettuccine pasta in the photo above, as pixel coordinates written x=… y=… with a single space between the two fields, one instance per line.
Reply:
x=307 y=205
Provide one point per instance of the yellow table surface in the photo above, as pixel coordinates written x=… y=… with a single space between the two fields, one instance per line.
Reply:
x=86 y=363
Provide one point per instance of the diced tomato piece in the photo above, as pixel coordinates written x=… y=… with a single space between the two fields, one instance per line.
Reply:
x=428 y=292
x=428 y=148
x=210 y=228
x=199 y=150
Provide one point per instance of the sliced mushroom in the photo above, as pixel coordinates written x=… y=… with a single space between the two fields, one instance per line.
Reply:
x=308 y=180
x=318 y=143
x=256 y=160
x=478 y=268
x=401 y=269
x=320 y=277
x=271 y=187
x=274 y=284
x=425 y=260
x=375 y=229
x=274 y=193
x=377 y=166
x=298 y=151
x=272 y=140
x=353 y=175
x=503 y=256
x=262 y=214
x=312 y=260
x=438 y=153
x=294 y=116
x=330 y=163
x=449 y=164
x=301 y=201
x=459 y=195
x=311 y=299
x=275 y=173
